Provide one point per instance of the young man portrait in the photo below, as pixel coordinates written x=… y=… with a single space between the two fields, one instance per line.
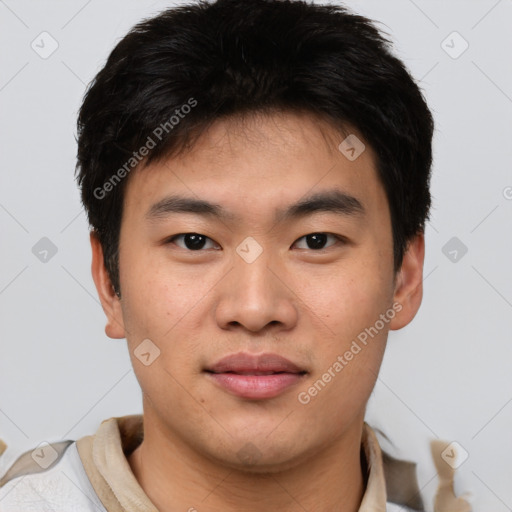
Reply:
x=256 y=178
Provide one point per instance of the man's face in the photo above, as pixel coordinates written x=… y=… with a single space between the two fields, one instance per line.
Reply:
x=255 y=283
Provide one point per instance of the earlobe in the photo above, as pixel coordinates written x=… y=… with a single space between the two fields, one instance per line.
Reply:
x=409 y=283
x=110 y=302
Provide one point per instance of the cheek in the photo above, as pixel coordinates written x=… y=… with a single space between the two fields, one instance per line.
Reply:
x=147 y=306
x=349 y=297
x=164 y=305
x=155 y=295
x=158 y=310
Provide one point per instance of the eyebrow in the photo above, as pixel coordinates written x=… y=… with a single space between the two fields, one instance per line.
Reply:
x=334 y=201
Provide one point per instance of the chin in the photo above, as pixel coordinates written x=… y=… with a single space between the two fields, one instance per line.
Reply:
x=259 y=457
x=246 y=462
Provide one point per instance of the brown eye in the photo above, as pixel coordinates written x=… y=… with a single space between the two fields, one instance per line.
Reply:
x=192 y=241
x=317 y=241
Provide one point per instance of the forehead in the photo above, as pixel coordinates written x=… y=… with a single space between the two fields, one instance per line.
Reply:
x=260 y=162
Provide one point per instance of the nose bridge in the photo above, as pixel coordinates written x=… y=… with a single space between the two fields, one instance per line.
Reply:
x=252 y=278
x=252 y=295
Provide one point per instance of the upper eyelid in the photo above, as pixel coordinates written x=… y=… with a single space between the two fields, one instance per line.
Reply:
x=339 y=238
x=171 y=238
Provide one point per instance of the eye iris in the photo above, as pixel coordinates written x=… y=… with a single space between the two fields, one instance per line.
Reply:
x=316 y=240
x=194 y=241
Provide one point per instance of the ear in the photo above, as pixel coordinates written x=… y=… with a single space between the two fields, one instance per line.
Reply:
x=109 y=300
x=409 y=283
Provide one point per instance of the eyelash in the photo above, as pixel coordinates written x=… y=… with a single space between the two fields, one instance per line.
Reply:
x=337 y=237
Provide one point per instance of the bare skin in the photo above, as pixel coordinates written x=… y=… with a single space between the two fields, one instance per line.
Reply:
x=297 y=300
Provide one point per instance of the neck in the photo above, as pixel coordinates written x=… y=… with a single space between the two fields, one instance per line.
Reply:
x=176 y=477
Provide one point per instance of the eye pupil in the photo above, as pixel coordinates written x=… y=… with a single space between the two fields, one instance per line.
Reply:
x=316 y=240
x=194 y=241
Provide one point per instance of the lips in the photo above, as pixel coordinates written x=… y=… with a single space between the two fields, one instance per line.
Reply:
x=255 y=376
x=248 y=364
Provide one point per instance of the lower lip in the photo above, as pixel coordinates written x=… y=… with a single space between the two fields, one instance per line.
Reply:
x=256 y=386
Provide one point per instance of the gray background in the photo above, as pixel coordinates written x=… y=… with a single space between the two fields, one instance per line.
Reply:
x=447 y=375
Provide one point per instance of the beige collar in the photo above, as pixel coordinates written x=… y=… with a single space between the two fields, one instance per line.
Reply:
x=104 y=458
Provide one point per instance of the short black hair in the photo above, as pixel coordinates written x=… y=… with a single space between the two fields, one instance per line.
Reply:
x=175 y=74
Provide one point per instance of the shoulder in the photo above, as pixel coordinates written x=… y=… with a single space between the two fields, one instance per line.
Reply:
x=47 y=478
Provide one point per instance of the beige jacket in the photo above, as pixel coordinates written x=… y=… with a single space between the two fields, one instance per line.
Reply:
x=93 y=474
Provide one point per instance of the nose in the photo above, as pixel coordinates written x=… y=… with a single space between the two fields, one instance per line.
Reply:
x=255 y=296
